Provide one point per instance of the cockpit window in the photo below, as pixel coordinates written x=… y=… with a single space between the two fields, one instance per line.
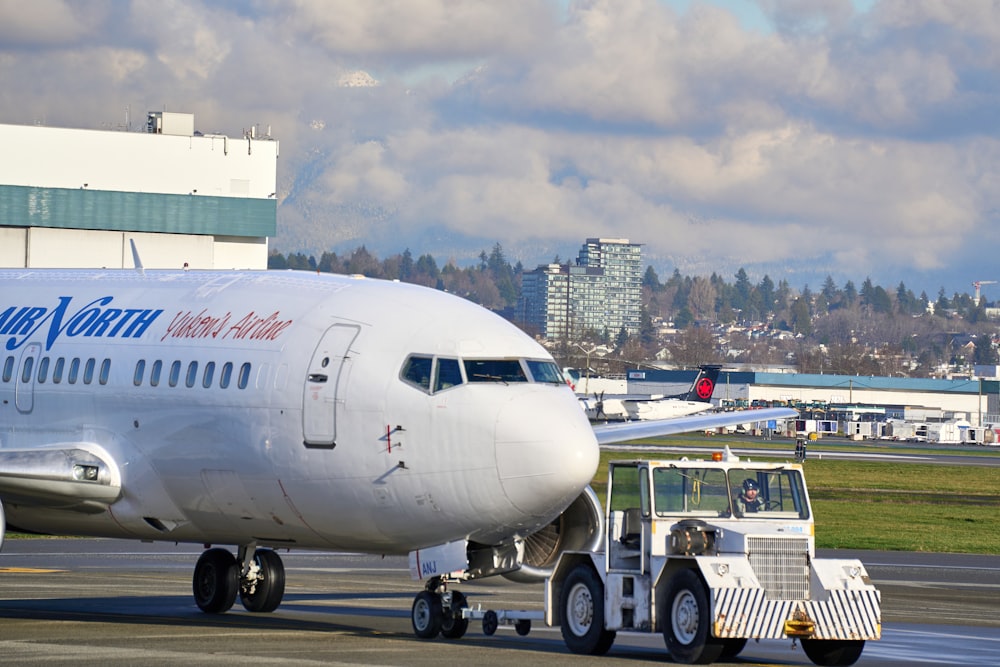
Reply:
x=448 y=374
x=494 y=370
x=417 y=370
x=433 y=374
x=545 y=371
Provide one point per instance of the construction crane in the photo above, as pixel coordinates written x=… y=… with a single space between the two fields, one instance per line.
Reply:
x=977 y=284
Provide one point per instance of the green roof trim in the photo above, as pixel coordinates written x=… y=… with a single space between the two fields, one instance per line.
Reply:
x=62 y=208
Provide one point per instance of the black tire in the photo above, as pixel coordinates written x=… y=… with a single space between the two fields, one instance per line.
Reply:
x=490 y=622
x=582 y=606
x=216 y=581
x=426 y=615
x=732 y=648
x=263 y=595
x=453 y=626
x=687 y=624
x=522 y=627
x=828 y=652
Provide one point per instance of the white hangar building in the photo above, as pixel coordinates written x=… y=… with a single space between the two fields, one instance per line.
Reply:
x=74 y=198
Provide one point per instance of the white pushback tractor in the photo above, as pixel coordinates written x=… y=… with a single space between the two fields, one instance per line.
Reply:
x=712 y=554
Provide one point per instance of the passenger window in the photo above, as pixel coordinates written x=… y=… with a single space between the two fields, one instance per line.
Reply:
x=417 y=371
x=206 y=381
x=175 y=374
x=244 y=378
x=449 y=374
x=29 y=366
x=43 y=369
x=57 y=370
x=227 y=374
x=74 y=370
x=192 y=374
x=88 y=371
x=8 y=369
x=154 y=373
x=140 y=372
x=105 y=373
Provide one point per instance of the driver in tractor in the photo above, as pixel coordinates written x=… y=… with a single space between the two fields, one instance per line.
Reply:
x=749 y=499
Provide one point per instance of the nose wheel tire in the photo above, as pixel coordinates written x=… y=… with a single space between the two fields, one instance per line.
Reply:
x=216 y=581
x=453 y=626
x=426 y=615
x=582 y=608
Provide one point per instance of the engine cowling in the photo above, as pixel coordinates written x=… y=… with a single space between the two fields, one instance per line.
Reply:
x=579 y=528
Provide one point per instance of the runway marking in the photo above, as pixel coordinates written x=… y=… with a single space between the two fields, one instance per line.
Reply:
x=28 y=570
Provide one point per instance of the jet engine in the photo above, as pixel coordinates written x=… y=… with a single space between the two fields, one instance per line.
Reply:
x=579 y=528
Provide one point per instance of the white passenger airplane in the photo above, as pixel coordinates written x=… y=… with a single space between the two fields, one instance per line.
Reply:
x=630 y=407
x=273 y=409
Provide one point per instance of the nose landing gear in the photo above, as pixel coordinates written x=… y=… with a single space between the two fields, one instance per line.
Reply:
x=437 y=610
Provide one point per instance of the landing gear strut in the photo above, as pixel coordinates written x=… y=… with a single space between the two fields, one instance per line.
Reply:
x=436 y=610
x=257 y=576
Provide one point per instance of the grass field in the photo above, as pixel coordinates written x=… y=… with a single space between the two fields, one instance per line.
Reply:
x=880 y=505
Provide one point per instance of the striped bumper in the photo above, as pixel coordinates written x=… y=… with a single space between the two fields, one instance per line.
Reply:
x=844 y=614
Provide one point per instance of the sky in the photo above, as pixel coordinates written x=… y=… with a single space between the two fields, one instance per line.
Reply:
x=794 y=138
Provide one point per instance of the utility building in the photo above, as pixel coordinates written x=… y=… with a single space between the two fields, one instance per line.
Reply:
x=75 y=198
x=600 y=294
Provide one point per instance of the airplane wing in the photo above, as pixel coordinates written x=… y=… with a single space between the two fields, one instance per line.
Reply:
x=621 y=432
x=61 y=476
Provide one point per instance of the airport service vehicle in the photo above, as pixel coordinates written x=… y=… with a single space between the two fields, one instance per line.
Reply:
x=712 y=554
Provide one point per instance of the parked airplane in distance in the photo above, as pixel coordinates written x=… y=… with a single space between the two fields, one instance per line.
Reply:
x=603 y=407
x=266 y=409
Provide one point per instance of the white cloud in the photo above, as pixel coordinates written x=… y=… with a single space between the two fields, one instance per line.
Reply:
x=867 y=137
x=48 y=23
x=403 y=30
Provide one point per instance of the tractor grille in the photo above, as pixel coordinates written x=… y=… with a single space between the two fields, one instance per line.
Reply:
x=781 y=565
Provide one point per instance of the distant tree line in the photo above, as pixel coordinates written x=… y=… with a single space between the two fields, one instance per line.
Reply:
x=838 y=329
x=684 y=300
x=494 y=283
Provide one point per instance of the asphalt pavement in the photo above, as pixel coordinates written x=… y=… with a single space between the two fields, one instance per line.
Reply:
x=111 y=602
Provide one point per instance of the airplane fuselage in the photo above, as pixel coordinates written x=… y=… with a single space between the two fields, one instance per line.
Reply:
x=278 y=408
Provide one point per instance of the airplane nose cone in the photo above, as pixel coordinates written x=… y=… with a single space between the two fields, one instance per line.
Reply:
x=545 y=448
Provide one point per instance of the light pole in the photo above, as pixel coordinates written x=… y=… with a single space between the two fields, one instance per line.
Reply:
x=586 y=378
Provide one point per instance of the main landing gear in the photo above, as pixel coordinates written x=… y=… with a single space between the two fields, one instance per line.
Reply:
x=437 y=610
x=256 y=575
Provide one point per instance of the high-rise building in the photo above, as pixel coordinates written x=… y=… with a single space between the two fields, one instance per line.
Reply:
x=600 y=294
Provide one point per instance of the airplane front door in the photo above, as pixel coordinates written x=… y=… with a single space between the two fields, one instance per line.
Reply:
x=327 y=374
x=24 y=389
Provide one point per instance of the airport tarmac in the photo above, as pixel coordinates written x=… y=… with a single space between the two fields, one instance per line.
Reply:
x=113 y=602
